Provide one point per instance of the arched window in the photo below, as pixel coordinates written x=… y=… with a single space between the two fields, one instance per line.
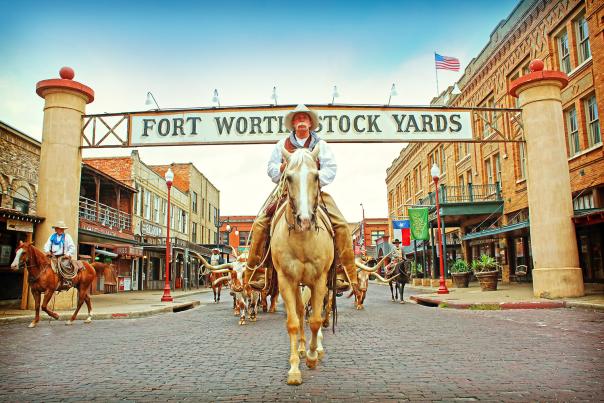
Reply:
x=21 y=200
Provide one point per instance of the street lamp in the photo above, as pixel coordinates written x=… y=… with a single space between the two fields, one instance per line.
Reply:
x=228 y=230
x=167 y=297
x=442 y=289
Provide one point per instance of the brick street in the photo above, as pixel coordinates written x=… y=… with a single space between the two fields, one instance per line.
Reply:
x=386 y=352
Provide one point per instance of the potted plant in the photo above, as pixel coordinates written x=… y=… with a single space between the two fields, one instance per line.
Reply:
x=485 y=270
x=460 y=271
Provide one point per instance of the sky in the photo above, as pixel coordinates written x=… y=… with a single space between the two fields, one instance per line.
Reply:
x=182 y=50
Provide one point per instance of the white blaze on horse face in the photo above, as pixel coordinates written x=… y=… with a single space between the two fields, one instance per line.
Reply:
x=15 y=264
x=303 y=207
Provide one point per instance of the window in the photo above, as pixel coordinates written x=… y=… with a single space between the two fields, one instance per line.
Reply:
x=194 y=233
x=224 y=238
x=203 y=208
x=194 y=202
x=164 y=212
x=242 y=237
x=156 y=200
x=521 y=71
x=147 y=205
x=398 y=194
x=497 y=168
x=375 y=235
x=583 y=49
x=183 y=222
x=593 y=121
x=463 y=149
x=572 y=129
x=584 y=202
x=21 y=200
x=443 y=159
x=137 y=201
x=172 y=220
x=488 y=171
x=563 y=52
x=521 y=161
x=390 y=206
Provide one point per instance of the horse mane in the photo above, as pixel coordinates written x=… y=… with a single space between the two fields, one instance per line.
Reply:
x=38 y=257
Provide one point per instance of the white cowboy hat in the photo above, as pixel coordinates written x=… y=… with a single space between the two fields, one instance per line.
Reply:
x=60 y=224
x=287 y=122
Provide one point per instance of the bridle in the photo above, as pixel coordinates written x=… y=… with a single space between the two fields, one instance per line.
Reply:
x=292 y=205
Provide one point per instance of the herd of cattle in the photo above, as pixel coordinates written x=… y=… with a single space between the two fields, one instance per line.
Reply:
x=250 y=290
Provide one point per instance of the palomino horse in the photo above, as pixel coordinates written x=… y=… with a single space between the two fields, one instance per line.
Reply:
x=42 y=279
x=302 y=253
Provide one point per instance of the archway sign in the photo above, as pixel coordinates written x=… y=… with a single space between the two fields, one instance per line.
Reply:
x=264 y=124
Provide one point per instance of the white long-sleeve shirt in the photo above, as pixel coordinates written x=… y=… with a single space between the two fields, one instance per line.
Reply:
x=327 y=162
x=56 y=248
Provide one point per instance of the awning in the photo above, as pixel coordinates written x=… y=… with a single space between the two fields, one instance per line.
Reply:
x=489 y=232
x=589 y=217
x=105 y=253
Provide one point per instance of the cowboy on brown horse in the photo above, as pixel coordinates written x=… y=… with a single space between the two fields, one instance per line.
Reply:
x=60 y=248
x=302 y=122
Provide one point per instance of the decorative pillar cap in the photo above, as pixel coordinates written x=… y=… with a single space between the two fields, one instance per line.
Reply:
x=65 y=82
x=537 y=74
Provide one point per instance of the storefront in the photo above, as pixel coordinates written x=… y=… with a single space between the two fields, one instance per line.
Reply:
x=14 y=227
x=590 y=237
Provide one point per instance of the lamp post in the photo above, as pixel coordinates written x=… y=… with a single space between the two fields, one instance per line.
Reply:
x=442 y=288
x=167 y=297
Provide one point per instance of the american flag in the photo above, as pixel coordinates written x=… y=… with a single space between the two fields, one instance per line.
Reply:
x=446 y=62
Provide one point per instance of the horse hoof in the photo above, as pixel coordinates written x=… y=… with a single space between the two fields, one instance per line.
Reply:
x=321 y=354
x=68 y=323
x=402 y=302
x=88 y=320
x=294 y=378
x=302 y=353
x=272 y=310
x=32 y=325
x=242 y=322
x=311 y=364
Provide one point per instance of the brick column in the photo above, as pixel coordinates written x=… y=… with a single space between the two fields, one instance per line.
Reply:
x=556 y=270
x=61 y=159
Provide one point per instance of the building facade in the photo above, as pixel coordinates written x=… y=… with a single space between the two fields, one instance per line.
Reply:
x=19 y=166
x=367 y=233
x=150 y=219
x=235 y=231
x=483 y=189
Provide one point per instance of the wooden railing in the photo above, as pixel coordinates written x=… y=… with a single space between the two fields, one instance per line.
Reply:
x=108 y=216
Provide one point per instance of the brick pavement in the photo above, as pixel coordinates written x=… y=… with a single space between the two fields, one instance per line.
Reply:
x=389 y=352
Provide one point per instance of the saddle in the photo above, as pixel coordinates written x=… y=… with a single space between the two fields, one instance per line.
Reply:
x=66 y=269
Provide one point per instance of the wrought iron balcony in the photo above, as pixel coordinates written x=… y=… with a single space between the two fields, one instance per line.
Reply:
x=106 y=216
x=464 y=194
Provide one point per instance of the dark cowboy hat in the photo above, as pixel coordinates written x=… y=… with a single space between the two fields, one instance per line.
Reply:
x=396 y=242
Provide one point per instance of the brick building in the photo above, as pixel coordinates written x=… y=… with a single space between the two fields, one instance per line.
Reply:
x=149 y=220
x=484 y=193
x=367 y=234
x=235 y=231
x=19 y=166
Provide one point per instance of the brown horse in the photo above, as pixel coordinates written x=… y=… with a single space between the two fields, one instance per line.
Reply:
x=42 y=279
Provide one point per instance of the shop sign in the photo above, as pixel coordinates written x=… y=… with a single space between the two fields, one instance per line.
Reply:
x=15 y=225
x=258 y=125
x=129 y=251
x=150 y=229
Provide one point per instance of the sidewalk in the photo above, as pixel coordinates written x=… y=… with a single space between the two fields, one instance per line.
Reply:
x=122 y=305
x=507 y=296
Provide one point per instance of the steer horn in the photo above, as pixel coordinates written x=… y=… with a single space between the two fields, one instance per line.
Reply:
x=371 y=269
x=385 y=280
x=223 y=266
x=219 y=280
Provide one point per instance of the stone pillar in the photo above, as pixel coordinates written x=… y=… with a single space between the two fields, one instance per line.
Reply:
x=61 y=159
x=556 y=272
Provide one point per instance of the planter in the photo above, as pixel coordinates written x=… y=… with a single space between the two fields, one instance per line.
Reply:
x=488 y=280
x=426 y=282
x=461 y=280
x=417 y=281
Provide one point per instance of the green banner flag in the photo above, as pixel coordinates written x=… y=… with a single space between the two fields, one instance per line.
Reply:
x=418 y=218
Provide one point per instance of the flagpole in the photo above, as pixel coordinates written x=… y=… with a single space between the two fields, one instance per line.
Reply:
x=436 y=72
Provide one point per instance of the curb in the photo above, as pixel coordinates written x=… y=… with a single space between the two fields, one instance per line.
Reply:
x=433 y=302
x=584 y=305
x=63 y=316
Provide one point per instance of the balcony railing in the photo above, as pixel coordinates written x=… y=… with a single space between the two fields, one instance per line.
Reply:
x=178 y=243
x=464 y=194
x=107 y=216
